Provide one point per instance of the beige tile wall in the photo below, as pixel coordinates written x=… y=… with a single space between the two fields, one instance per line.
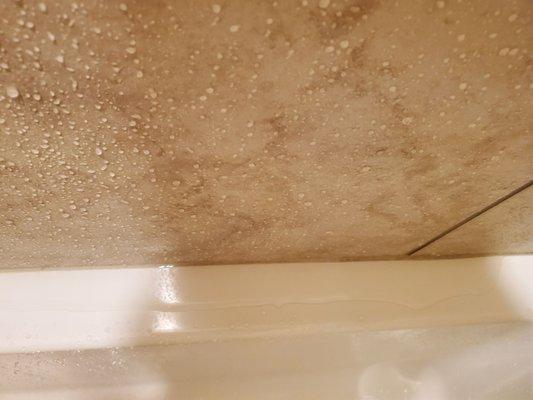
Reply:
x=507 y=228
x=195 y=132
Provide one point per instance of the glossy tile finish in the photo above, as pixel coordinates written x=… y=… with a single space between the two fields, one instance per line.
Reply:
x=506 y=228
x=225 y=132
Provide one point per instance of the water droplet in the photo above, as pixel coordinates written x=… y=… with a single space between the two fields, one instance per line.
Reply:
x=344 y=44
x=12 y=91
x=323 y=3
x=234 y=28
x=504 y=51
x=42 y=7
x=123 y=7
x=463 y=86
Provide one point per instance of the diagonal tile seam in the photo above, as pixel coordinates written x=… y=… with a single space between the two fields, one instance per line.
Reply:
x=471 y=217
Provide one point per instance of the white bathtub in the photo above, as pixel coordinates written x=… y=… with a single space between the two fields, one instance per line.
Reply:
x=447 y=329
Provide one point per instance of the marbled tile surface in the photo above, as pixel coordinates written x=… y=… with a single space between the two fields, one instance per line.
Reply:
x=193 y=132
x=506 y=229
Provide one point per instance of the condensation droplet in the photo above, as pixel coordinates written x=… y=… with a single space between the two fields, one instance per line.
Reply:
x=12 y=91
x=504 y=51
x=323 y=3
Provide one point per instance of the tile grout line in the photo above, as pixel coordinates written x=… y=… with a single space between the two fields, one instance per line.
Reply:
x=471 y=217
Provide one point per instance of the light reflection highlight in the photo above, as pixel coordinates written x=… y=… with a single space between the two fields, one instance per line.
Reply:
x=165 y=322
x=167 y=291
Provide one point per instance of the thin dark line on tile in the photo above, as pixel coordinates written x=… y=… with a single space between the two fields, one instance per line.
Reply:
x=471 y=217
